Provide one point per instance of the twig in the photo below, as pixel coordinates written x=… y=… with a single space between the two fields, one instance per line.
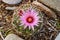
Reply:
x=51 y=26
x=1 y=36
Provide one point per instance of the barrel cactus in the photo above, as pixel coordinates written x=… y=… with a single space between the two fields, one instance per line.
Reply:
x=27 y=19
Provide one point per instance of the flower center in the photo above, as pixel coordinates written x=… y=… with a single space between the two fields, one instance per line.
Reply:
x=30 y=19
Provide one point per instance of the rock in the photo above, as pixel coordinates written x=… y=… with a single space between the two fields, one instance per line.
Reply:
x=12 y=1
x=52 y=3
x=13 y=37
x=47 y=11
x=58 y=37
x=55 y=4
x=10 y=8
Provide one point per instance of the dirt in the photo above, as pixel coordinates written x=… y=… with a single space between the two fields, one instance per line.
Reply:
x=44 y=33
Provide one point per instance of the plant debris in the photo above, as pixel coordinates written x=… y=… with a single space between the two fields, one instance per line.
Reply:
x=47 y=31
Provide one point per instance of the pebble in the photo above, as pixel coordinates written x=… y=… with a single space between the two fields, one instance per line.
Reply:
x=12 y=1
x=13 y=37
x=10 y=8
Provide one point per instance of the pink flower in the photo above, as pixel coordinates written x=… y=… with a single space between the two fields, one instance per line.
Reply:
x=30 y=19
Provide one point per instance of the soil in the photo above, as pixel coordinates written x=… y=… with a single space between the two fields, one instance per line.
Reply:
x=44 y=33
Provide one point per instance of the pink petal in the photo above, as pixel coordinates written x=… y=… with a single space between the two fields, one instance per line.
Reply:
x=32 y=28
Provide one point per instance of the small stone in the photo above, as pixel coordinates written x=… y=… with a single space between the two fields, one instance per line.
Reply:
x=13 y=37
x=10 y=8
x=12 y=1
